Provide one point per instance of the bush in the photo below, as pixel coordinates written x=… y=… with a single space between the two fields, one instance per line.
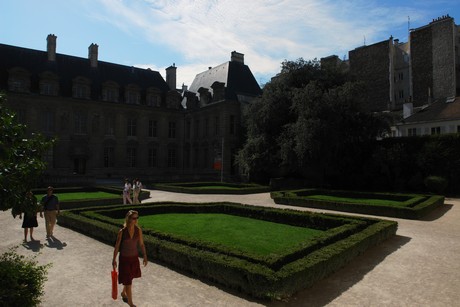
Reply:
x=436 y=184
x=21 y=280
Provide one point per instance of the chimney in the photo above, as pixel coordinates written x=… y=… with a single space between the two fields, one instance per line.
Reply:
x=92 y=54
x=51 y=47
x=237 y=57
x=171 y=76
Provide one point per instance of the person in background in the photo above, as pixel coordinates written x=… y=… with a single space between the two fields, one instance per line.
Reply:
x=127 y=192
x=137 y=185
x=128 y=240
x=30 y=215
x=50 y=203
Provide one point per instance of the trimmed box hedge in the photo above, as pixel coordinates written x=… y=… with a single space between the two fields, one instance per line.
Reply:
x=203 y=188
x=413 y=206
x=270 y=277
x=72 y=204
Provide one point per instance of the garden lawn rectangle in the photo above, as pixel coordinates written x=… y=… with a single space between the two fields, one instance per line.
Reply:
x=74 y=196
x=174 y=234
x=410 y=206
x=252 y=236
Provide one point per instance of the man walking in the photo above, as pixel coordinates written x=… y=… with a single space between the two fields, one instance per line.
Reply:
x=50 y=204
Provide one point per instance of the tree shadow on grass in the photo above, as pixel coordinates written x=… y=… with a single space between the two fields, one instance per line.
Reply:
x=325 y=291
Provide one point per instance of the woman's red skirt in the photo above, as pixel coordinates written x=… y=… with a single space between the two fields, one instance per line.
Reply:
x=128 y=268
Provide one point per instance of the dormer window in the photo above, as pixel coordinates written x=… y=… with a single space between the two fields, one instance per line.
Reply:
x=133 y=95
x=81 y=88
x=49 y=84
x=153 y=97
x=19 y=80
x=110 y=91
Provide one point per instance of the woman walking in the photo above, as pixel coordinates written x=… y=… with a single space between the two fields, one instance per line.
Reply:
x=128 y=240
x=30 y=215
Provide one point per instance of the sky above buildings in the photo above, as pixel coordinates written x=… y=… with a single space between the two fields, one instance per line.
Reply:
x=195 y=35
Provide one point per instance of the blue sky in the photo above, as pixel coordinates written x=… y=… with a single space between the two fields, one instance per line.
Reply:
x=198 y=34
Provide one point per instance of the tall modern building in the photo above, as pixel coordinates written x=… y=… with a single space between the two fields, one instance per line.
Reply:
x=115 y=121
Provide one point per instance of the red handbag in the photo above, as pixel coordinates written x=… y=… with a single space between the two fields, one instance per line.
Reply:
x=114 y=284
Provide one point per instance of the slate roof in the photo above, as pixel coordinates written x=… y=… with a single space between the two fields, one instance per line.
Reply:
x=237 y=77
x=437 y=111
x=69 y=67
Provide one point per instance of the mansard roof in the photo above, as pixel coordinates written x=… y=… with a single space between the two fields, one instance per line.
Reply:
x=236 y=76
x=435 y=112
x=68 y=67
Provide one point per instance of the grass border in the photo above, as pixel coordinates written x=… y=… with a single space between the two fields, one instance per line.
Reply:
x=254 y=278
x=415 y=205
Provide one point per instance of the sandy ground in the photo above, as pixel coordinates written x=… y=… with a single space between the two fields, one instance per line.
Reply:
x=418 y=267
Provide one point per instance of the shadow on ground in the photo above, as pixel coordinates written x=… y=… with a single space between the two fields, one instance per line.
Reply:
x=437 y=213
x=326 y=290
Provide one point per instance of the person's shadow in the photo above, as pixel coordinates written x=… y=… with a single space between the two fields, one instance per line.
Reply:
x=34 y=245
x=53 y=242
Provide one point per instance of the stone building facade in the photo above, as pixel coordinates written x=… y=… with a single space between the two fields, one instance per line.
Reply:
x=420 y=71
x=115 y=121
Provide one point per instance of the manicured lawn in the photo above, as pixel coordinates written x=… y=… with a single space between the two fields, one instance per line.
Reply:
x=86 y=195
x=373 y=201
x=246 y=234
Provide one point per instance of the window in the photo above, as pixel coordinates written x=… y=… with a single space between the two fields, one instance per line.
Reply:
x=171 y=157
x=81 y=88
x=48 y=157
x=401 y=76
x=109 y=125
x=109 y=157
x=133 y=97
x=80 y=122
x=411 y=131
x=206 y=126
x=48 y=122
x=458 y=129
x=17 y=85
x=152 y=128
x=172 y=130
x=232 y=124
x=131 y=153
x=152 y=156
x=131 y=127
x=401 y=94
x=48 y=88
x=435 y=130
x=197 y=128
x=110 y=91
x=188 y=125
x=216 y=125
x=19 y=80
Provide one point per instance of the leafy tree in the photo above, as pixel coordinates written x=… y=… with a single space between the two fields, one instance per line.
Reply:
x=307 y=123
x=21 y=161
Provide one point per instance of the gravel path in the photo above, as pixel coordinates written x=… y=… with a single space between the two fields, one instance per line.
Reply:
x=418 y=267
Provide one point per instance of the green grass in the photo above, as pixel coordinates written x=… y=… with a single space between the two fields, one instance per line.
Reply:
x=245 y=234
x=367 y=201
x=86 y=195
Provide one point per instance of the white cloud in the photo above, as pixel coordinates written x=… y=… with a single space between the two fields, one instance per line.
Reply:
x=267 y=32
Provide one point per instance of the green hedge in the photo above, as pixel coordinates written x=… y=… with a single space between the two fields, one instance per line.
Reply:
x=263 y=278
x=202 y=188
x=70 y=204
x=413 y=206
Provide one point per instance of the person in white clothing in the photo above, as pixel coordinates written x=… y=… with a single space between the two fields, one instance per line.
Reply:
x=137 y=191
x=127 y=192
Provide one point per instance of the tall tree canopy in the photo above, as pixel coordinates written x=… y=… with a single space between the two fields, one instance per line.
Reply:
x=308 y=122
x=21 y=161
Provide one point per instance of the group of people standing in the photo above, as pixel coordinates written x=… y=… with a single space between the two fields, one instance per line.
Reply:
x=135 y=188
x=48 y=207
